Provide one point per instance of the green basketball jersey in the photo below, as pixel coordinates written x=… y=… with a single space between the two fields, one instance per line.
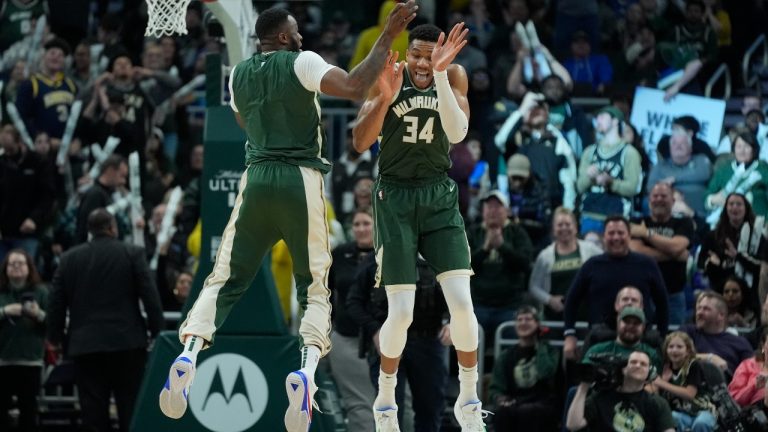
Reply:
x=282 y=118
x=413 y=144
x=16 y=20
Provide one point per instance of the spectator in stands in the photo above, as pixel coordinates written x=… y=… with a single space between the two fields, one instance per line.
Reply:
x=44 y=99
x=609 y=173
x=681 y=127
x=347 y=170
x=630 y=327
x=666 y=239
x=628 y=403
x=557 y=265
x=349 y=370
x=533 y=65
x=734 y=246
x=750 y=103
x=17 y=19
x=681 y=383
x=746 y=174
x=427 y=340
x=601 y=277
x=368 y=37
x=572 y=16
x=567 y=117
x=26 y=194
x=23 y=306
x=639 y=63
x=628 y=296
x=736 y=295
x=529 y=204
x=527 y=132
x=713 y=343
x=479 y=23
x=587 y=69
x=159 y=85
x=82 y=71
x=100 y=284
x=748 y=384
x=114 y=171
x=122 y=87
x=523 y=386
x=687 y=173
x=501 y=257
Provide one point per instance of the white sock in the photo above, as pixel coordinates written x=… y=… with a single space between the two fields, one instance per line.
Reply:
x=192 y=346
x=467 y=384
x=386 y=396
x=310 y=357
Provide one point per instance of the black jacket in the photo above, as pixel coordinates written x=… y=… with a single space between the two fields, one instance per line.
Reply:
x=26 y=191
x=367 y=305
x=97 y=196
x=101 y=283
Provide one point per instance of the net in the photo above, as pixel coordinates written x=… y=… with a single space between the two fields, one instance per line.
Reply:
x=166 y=17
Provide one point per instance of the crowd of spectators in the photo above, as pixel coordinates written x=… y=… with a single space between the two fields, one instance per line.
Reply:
x=570 y=217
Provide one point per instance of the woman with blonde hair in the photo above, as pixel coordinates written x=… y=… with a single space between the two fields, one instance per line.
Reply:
x=557 y=264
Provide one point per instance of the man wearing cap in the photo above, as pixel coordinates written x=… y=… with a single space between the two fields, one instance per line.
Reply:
x=529 y=204
x=630 y=326
x=527 y=132
x=501 y=259
x=609 y=173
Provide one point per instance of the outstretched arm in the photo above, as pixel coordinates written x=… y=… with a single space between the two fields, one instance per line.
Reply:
x=355 y=84
x=451 y=84
x=371 y=115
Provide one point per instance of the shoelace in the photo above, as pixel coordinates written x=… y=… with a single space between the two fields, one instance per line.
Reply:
x=475 y=421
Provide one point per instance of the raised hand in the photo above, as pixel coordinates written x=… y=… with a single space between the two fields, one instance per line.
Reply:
x=399 y=17
x=391 y=77
x=446 y=49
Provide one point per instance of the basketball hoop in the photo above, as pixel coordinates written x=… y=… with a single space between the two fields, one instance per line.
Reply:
x=166 y=17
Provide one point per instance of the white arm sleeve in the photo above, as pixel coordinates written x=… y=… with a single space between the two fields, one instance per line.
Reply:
x=453 y=119
x=310 y=68
x=232 y=93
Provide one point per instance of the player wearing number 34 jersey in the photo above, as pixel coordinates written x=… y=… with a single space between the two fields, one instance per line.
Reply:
x=420 y=106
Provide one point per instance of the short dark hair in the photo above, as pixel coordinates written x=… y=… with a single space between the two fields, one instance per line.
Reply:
x=617 y=218
x=113 y=161
x=100 y=221
x=424 y=32
x=268 y=23
x=59 y=43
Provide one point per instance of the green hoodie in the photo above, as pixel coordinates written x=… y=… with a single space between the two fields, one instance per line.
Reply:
x=22 y=338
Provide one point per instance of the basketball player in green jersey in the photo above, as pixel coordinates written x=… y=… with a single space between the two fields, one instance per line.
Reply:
x=275 y=99
x=420 y=106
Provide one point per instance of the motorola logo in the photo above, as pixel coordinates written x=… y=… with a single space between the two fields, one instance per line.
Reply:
x=229 y=393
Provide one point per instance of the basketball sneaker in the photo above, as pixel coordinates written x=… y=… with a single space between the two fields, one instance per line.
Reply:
x=470 y=416
x=300 y=389
x=173 y=396
x=386 y=420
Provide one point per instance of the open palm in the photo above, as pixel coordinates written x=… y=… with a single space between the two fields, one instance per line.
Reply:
x=391 y=77
x=446 y=49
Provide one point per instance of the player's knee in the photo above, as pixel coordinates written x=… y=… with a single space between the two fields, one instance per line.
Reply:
x=400 y=318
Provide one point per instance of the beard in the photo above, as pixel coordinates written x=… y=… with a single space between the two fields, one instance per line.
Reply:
x=294 y=46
